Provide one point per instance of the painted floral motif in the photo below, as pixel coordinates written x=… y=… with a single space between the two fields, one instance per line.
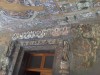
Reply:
x=84 y=4
x=55 y=32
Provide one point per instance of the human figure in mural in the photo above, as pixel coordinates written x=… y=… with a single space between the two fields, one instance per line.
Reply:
x=67 y=19
x=64 y=65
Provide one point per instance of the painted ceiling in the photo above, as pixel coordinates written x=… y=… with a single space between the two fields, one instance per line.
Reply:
x=26 y=15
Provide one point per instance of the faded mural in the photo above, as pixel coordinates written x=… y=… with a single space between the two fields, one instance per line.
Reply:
x=85 y=45
x=80 y=29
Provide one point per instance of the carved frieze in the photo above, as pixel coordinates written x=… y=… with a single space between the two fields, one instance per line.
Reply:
x=55 y=32
x=41 y=42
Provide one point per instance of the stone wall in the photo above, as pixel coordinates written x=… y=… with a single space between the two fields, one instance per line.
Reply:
x=4 y=42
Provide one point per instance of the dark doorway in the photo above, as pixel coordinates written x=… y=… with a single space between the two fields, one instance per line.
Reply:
x=37 y=63
x=32 y=73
